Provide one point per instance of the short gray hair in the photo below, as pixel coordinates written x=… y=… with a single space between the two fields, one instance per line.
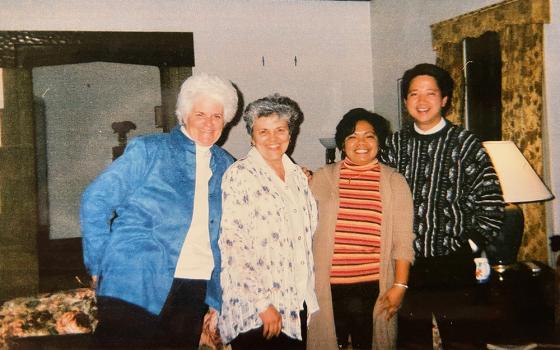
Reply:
x=203 y=84
x=283 y=106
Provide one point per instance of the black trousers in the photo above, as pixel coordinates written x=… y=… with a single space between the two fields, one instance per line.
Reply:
x=124 y=325
x=449 y=271
x=454 y=276
x=353 y=312
x=253 y=339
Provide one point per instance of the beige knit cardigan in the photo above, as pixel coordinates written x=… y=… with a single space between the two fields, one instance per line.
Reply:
x=396 y=243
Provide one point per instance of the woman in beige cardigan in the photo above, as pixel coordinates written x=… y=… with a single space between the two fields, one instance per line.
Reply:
x=363 y=243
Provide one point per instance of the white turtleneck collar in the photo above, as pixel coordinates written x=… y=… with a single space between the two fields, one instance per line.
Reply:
x=433 y=129
x=199 y=148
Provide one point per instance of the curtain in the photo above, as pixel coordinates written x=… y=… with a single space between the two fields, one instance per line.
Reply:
x=450 y=57
x=522 y=103
x=519 y=24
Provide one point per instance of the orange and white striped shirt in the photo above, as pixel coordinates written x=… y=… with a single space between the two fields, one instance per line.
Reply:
x=357 y=239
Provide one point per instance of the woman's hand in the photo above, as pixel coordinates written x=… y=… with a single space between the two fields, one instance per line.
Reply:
x=93 y=282
x=391 y=301
x=272 y=322
x=210 y=333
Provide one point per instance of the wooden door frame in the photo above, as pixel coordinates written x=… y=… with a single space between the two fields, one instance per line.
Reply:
x=20 y=52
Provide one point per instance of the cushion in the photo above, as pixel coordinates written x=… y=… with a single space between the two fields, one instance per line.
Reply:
x=65 y=312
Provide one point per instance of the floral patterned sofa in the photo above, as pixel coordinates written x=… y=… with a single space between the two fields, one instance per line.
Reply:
x=66 y=312
x=61 y=313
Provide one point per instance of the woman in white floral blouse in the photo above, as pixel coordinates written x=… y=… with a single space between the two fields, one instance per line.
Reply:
x=269 y=217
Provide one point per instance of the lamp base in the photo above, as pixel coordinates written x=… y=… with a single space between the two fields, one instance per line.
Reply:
x=530 y=268
x=503 y=250
x=330 y=155
x=501 y=268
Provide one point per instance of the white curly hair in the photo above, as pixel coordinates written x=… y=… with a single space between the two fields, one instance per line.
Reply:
x=203 y=84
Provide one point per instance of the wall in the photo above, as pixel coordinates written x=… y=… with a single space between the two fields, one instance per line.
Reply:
x=401 y=38
x=331 y=40
x=552 y=122
x=336 y=56
x=80 y=106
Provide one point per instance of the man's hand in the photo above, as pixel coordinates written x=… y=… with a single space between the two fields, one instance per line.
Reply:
x=272 y=322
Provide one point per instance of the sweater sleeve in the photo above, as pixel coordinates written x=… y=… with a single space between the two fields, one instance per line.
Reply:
x=318 y=183
x=402 y=217
x=103 y=196
x=483 y=196
x=387 y=153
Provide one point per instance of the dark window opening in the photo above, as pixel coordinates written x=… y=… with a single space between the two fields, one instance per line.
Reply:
x=484 y=86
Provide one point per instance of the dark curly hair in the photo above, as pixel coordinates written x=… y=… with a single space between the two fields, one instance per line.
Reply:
x=347 y=126
x=442 y=77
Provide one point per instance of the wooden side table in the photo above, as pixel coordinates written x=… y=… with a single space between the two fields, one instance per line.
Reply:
x=515 y=307
x=555 y=246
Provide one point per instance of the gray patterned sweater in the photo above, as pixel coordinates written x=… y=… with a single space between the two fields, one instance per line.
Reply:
x=455 y=189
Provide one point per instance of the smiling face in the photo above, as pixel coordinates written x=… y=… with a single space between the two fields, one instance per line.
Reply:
x=271 y=137
x=205 y=122
x=424 y=102
x=362 y=145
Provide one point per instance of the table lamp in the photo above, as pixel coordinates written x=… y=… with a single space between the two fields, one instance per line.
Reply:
x=520 y=184
x=330 y=144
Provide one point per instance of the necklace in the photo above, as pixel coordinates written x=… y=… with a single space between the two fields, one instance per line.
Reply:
x=350 y=178
x=352 y=171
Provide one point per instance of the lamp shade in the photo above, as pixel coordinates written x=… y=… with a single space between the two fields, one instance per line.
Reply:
x=328 y=142
x=519 y=182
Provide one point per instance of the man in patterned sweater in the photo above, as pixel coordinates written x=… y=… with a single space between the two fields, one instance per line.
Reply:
x=458 y=204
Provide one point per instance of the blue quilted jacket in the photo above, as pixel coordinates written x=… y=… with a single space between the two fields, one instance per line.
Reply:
x=149 y=191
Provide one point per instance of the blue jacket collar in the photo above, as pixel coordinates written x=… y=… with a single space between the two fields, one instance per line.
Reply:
x=185 y=145
x=182 y=142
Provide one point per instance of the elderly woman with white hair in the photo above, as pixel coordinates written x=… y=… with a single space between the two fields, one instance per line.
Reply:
x=150 y=225
x=269 y=217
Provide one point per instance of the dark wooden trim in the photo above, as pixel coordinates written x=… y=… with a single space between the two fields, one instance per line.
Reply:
x=46 y=48
x=60 y=261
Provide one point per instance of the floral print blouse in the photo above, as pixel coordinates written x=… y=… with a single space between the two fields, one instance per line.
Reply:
x=259 y=251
